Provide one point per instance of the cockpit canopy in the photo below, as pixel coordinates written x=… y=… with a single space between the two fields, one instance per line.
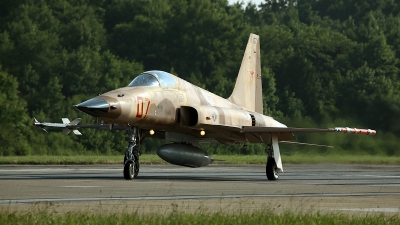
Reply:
x=153 y=78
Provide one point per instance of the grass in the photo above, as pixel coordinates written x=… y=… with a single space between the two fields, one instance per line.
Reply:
x=259 y=217
x=218 y=159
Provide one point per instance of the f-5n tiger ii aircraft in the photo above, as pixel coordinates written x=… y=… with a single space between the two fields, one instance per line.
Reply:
x=160 y=105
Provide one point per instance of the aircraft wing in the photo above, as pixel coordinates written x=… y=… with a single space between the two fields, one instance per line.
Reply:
x=250 y=129
x=261 y=134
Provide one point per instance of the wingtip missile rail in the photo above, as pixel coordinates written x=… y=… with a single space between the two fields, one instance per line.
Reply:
x=355 y=131
x=73 y=126
x=67 y=125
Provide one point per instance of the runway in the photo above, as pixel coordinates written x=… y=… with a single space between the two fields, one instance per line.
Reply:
x=216 y=188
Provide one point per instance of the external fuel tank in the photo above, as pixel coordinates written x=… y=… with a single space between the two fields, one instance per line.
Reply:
x=184 y=155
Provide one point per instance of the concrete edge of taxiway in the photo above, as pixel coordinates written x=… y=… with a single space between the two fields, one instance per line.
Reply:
x=301 y=205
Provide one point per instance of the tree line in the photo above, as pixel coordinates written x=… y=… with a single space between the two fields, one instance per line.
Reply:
x=324 y=62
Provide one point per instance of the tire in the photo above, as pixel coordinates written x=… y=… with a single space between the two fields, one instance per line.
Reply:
x=129 y=170
x=271 y=169
x=136 y=169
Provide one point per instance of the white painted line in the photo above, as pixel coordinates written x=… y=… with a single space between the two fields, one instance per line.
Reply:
x=383 y=176
x=81 y=186
x=386 y=210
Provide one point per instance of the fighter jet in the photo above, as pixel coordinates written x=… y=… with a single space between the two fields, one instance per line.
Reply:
x=157 y=104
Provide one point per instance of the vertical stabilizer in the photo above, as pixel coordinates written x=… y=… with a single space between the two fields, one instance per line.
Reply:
x=248 y=87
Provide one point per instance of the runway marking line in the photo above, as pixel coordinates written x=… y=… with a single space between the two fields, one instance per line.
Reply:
x=193 y=197
x=81 y=186
x=384 y=210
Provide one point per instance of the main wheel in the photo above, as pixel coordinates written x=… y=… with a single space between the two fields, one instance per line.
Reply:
x=129 y=170
x=271 y=169
x=136 y=169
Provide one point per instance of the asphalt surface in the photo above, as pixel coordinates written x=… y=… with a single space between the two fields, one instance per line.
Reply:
x=216 y=188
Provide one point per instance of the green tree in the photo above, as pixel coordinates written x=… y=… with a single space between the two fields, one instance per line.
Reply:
x=35 y=48
x=270 y=100
x=13 y=118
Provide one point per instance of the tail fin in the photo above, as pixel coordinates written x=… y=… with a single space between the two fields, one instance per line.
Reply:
x=248 y=87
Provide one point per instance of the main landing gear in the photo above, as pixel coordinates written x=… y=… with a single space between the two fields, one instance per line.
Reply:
x=131 y=159
x=271 y=170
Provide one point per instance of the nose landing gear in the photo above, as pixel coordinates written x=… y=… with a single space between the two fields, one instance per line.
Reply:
x=131 y=159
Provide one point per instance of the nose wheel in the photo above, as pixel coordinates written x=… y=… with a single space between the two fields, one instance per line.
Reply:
x=131 y=170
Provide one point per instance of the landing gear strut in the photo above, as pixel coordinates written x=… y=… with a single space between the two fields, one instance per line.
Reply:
x=131 y=159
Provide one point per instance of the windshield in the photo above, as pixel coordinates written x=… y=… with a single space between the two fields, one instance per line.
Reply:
x=153 y=78
x=144 y=80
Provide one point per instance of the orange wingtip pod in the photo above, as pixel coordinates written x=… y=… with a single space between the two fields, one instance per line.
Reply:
x=355 y=130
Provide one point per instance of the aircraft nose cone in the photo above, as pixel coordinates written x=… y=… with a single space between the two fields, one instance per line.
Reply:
x=96 y=107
